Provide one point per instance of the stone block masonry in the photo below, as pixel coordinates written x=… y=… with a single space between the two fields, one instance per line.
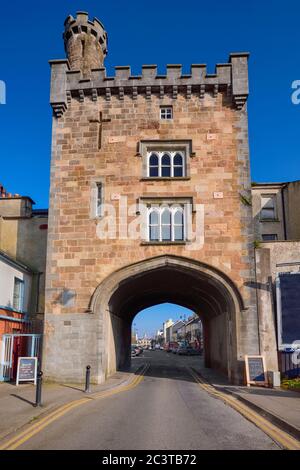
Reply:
x=210 y=113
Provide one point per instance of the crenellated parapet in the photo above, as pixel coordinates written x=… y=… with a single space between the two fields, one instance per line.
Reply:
x=83 y=75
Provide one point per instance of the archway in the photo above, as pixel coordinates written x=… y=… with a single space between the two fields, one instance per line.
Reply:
x=200 y=287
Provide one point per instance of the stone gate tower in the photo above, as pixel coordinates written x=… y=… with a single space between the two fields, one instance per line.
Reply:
x=149 y=203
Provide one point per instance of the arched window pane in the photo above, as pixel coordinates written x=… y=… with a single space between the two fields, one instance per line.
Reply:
x=178 y=217
x=166 y=225
x=166 y=160
x=153 y=165
x=166 y=165
x=178 y=165
x=153 y=220
x=178 y=159
x=166 y=217
x=153 y=160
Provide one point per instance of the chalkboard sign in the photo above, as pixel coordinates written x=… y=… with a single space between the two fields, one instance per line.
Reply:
x=27 y=369
x=256 y=370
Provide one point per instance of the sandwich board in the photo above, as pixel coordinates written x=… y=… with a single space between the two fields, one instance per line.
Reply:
x=27 y=370
x=256 y=373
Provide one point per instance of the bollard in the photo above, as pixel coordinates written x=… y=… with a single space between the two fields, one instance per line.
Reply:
x=87 y=379
x=38 y=395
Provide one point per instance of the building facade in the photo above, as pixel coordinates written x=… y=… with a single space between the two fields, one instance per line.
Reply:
x=149 y=178
x=276 y=212
x=23 y=238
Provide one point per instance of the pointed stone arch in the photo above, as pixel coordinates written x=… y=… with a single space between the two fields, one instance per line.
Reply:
x=209 y=292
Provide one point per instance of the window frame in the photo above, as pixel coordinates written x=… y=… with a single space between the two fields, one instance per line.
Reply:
x=160 y=154
x=273 y=197
x=166 y=110
x=275 y=239
x=173 y=207
x=96 y=211
x=21 y=293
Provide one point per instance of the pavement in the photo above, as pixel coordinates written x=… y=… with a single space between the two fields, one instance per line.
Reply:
x=164 y=410
x=17 y=402
x=281 y=407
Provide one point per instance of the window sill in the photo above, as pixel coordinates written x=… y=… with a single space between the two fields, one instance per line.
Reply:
x=164 y=243
x=269 y=220
x=165 y=178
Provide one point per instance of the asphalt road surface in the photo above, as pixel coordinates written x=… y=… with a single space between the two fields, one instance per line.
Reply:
x=166 y=411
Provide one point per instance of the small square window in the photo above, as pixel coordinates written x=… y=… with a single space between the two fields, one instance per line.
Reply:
x=269 y=237
x=166 y=112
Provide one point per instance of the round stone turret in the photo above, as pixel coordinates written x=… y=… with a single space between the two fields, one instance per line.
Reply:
x=85 y=43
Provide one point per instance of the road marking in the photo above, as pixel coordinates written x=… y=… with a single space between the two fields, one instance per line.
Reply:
x=35 y=428
x=281 y=437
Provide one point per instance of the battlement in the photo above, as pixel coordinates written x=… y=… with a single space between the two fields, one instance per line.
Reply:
x=230 y=78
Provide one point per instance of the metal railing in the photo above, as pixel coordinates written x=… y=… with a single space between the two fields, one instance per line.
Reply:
x=287 y=366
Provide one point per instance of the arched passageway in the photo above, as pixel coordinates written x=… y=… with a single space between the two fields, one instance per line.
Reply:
x=185 y=282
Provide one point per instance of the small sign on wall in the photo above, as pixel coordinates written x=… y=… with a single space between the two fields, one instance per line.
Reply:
x=27 y=370
x=256 y=373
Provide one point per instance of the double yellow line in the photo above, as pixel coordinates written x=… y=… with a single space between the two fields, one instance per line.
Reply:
x=281 y=437
x=42 y=423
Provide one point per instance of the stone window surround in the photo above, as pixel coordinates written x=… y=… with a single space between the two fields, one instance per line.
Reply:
x=184 y=146
x=188 y=210
x=94 y=198
x=164 y=111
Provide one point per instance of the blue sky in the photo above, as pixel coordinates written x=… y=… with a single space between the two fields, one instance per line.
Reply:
x=156 y=32
x=151 y=319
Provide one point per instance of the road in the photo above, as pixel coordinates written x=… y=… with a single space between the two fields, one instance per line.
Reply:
x=166 y=411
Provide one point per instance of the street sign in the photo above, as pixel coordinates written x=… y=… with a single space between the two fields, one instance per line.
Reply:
x=256 y=373
x=27 y=369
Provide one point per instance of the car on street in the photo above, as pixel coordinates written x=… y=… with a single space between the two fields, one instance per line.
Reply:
x=187 y=351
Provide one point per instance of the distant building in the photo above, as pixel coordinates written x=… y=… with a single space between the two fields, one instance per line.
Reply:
x=166 y=329
x=144 y=342
x=276 y=211
x=23 y=241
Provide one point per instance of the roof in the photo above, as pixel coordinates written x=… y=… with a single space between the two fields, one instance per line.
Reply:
x=10 y=260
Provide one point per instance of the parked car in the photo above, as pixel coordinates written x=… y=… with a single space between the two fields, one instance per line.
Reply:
x=187 y=351
x=138 y=350
x=169 y=347
x=133 y=352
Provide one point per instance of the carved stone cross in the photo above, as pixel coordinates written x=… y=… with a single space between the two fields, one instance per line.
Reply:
x=100 y=121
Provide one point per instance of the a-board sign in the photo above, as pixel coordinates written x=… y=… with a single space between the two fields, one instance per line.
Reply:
x=27 y=369
x=256 y=373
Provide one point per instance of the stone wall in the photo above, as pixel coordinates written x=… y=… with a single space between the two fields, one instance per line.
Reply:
x=100 y=125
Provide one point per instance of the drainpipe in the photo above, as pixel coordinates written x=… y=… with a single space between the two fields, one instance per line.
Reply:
x=38 y=291
x=283 y=211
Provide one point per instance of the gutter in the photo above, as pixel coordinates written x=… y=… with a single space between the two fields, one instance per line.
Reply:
x=12 y=319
